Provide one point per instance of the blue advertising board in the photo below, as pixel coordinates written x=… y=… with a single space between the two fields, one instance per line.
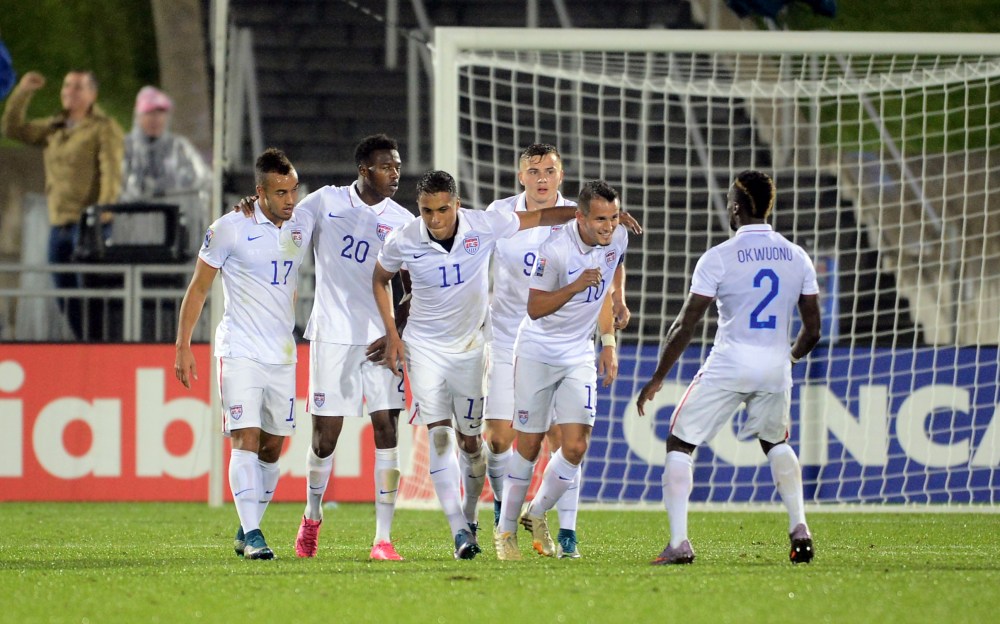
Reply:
x=870 y=425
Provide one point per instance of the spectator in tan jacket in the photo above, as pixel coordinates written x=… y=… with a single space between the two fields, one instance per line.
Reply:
x=82 y=150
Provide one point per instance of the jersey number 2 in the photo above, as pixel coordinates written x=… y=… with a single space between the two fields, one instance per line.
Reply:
x=771 y=322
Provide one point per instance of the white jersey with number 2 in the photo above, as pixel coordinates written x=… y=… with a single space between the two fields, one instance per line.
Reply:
x=756 y=278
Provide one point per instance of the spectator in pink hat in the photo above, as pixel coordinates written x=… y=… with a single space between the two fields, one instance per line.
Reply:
x=158 y=162
x=162 y=166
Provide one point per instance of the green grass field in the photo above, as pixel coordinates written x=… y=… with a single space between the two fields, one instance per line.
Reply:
x=158 y=562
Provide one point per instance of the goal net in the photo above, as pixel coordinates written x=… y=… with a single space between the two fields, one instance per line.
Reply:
x=883 y=151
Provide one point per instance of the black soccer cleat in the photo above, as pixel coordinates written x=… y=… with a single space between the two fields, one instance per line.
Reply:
x=802 y=545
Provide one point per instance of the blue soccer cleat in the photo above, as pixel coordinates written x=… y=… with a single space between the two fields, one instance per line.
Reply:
x=566 y=548
x=466 y=546
x=256 y=547
x=239 y=542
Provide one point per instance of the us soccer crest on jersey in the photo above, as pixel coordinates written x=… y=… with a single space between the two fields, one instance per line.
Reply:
x=260 y=261
x=450 y=286
x=566 y=336
x=349 y=236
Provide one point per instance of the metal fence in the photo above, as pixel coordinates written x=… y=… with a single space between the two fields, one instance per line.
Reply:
x=115 y=303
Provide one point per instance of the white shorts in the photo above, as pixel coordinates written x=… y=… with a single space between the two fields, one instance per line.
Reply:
x=499 y=384
x=342 y=380
x=704 y=410
x=447 y=386
x=545 y=395
x=258 y=395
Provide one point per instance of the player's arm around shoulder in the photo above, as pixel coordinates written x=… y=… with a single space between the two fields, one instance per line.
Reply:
x=557 y=215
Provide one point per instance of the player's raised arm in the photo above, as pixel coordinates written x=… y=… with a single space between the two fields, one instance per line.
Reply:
x=191 y=307
x=678 y=338
x=394 y=355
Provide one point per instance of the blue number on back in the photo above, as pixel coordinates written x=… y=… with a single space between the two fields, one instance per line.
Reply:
x=771 y=322
x=529 y=261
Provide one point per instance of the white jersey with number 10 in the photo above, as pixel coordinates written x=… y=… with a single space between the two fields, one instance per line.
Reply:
x=512 y=262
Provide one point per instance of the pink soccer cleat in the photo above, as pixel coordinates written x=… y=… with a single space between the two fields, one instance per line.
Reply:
x=384 y=551
x=308 y=537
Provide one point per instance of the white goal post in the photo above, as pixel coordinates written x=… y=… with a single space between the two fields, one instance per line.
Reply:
x=883 y=147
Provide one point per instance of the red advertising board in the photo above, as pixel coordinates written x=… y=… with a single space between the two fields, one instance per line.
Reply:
x=111 y=423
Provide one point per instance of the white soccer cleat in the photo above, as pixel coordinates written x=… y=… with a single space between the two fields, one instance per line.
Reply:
x=541 y=539
x=506 y=545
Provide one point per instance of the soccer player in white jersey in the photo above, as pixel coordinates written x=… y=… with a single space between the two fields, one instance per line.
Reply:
x=447 y=252
x=757 y=278
x=352 y=222
x=259 y=259
x=540 y=172
x=555 y=378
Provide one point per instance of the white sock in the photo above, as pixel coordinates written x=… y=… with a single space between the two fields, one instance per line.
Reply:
x=558 y=476
x=788 y=480
x=496 y=470
x=473 y=466
x=386 y=487
x=319 y=476
x=443 y=466
x=569 y=504
x=678 y=478
x=269 y=474
x=244 y=482
x=515 y=489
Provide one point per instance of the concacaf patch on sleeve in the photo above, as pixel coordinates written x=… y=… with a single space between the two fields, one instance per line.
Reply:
x=208 y=237
x=540 y=267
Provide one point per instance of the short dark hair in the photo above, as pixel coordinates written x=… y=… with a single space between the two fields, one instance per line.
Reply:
x=371 y=144
x=538 y=150
x=592 y=189
x=271 y=160
x=437 y=181
x=754 y=192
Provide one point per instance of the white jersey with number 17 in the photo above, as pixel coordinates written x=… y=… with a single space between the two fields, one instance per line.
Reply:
x=260 y=264
x=756 y=278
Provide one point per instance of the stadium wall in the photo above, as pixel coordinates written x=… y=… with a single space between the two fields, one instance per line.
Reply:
x=109 y=422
